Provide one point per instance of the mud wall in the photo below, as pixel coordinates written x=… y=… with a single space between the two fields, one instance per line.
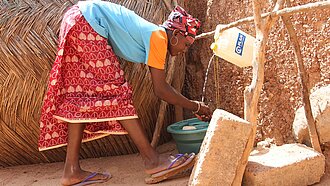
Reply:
x=280 y=96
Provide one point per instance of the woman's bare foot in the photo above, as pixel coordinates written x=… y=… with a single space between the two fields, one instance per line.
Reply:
x=81 y=175
x=164 y=162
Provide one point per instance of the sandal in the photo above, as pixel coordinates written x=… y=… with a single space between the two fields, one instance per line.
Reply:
x=173 y=160
x=172 y=171
x=88 y=180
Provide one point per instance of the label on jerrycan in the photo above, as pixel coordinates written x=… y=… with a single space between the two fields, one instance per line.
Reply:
x=240 y=44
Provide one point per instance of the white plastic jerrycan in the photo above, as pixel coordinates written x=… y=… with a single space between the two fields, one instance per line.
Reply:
x=234 y=46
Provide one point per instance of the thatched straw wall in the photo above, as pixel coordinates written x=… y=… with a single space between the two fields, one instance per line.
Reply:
x=28 y=39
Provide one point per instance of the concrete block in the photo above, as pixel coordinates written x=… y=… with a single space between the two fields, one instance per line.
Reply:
x=286 y=165
x=222 y=150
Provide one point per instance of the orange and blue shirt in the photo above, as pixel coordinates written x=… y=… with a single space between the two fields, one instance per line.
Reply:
x=131 y=37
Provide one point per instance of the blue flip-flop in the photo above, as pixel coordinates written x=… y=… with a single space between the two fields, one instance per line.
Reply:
x=172 y=171
x=88 y=180
x=177 y=157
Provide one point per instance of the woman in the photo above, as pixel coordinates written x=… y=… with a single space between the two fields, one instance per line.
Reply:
x=88 y=97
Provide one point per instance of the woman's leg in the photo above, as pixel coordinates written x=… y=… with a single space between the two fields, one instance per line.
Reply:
x=72 y=171
x=137 y=134
x=152 y=160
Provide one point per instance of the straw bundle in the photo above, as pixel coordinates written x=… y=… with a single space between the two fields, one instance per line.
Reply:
x=28 y=41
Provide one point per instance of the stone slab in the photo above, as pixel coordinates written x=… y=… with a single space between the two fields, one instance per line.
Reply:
x=221 y=151
x=320 y=104
x=286 y=165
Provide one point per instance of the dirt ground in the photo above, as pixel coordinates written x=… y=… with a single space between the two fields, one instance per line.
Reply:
x=125 y=170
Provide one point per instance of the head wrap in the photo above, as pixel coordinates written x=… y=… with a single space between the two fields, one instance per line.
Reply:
x=181 y=20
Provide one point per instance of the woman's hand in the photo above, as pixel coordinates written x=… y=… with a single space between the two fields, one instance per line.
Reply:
x=203 y=112
x=167 y=93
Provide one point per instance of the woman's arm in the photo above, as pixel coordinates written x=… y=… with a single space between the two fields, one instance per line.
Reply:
x=167 y=93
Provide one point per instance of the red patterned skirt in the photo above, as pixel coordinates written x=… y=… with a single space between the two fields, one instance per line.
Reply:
x=86 y=85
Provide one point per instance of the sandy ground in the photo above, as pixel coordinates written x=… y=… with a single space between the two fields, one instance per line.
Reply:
x=126 y=170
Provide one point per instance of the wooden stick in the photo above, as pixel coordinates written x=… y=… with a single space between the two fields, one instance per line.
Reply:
x=178 y=84
x=169 y=79
x=303 y=81
x=285 y=11
x=270 y=20
x=252 y=92
x=163 y=105
x=159 y=123
x=175 y=3
x=168 y=5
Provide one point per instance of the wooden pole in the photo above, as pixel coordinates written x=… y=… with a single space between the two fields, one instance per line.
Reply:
x=252 y=92
x=163 y=105
x=303 y=81
x=168 y=4
x=169 y=79
x=178 y=84
x=285 y=11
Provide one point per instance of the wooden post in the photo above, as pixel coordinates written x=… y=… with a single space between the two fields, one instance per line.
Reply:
x=178 y=84
x=303 y=81
x=163 y=105
x=252 y=92
x=168 y=4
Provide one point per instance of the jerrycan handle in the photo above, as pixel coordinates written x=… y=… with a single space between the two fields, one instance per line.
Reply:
x=217 y=31
x=214 y=45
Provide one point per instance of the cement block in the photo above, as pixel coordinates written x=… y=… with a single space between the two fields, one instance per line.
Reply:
x=221 y=151
x=286 y=165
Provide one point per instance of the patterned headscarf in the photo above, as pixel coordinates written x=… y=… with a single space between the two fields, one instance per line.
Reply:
x=181 y=20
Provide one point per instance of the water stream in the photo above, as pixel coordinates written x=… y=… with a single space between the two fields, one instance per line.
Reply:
x=206 y=76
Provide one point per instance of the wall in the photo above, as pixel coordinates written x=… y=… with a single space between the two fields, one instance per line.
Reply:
x=280 y=96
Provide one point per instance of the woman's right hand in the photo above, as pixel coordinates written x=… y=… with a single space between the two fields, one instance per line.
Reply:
x=204 y=112
x=167 y=93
